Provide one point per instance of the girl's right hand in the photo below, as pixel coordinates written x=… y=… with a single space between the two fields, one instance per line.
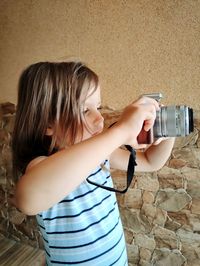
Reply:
x=139 y=115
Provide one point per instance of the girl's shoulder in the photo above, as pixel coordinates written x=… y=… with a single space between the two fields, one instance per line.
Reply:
x=34 y=162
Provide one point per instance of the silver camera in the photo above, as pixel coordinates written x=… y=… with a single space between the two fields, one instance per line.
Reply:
x=171 y=121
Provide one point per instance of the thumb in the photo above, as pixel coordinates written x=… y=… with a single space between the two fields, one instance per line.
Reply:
x=148 y=124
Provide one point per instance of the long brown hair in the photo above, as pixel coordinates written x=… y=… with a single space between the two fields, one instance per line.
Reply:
x=49 y=94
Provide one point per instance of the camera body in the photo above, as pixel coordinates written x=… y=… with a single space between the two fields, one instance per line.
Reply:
x=171 y=121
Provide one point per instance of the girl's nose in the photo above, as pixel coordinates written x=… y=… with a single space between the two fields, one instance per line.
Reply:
x=98 y=118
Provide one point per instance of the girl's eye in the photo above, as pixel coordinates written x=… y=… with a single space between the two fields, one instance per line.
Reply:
x=85 y=111
x=99 y=108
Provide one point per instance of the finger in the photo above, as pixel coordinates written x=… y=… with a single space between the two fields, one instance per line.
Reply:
x=149 y=122
x=140 y=146
x=158 y=141
x=147 y=125
x=148 y=100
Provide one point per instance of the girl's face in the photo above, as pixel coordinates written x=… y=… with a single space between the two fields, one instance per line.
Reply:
x=93 y=122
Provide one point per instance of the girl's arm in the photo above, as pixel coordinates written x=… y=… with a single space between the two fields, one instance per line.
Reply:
x=152 y=159
x=48 y=180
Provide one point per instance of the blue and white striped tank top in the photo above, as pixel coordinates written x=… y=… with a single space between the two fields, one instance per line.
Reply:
x=85 y=227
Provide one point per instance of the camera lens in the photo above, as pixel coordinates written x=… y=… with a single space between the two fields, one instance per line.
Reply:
x=173 y=121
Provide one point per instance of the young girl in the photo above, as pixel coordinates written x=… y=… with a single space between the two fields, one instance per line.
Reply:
x=58 y=142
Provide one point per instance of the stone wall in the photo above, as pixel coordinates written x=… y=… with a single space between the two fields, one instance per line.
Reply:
x=13 y=224
x=160 y=211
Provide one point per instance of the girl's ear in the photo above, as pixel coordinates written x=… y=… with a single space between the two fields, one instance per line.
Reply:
x=49 y=131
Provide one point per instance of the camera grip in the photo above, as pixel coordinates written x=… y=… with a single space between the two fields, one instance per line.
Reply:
x=145 y=137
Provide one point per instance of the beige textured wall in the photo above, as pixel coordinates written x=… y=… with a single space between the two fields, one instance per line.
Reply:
x=135 y=46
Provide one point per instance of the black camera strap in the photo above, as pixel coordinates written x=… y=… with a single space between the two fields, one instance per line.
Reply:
x=130 y=173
